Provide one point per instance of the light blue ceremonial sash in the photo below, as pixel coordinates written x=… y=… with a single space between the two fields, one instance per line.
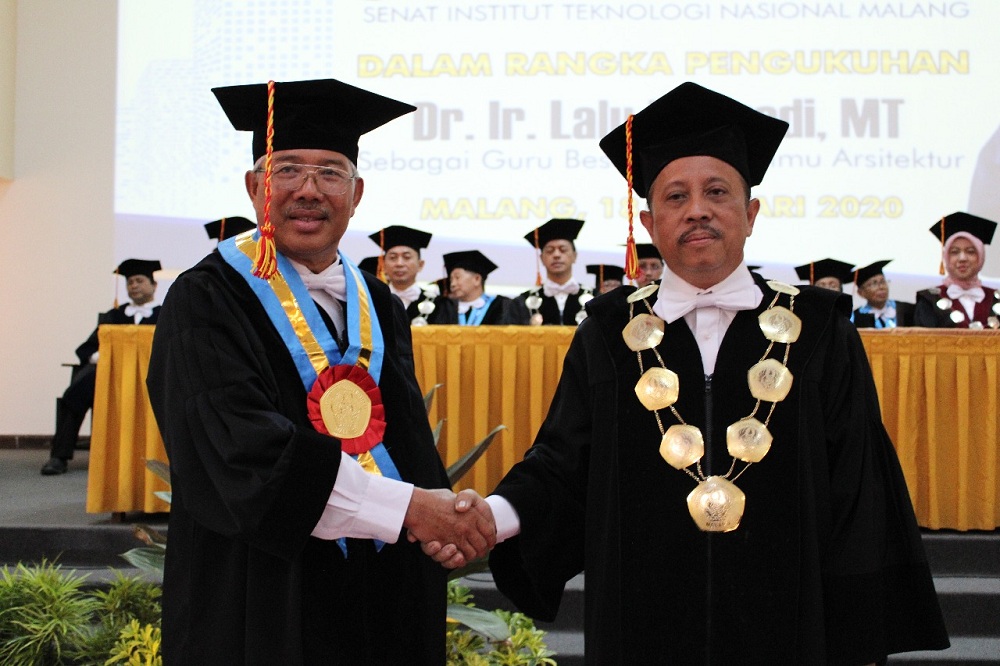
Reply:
x=475 y=317
x=880 y=322
x=296 y=317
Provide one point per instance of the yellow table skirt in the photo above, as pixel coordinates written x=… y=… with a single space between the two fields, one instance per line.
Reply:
x=123 y=432
x=938 y=391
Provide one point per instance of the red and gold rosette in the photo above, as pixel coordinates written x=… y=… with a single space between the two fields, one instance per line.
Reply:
x=346 y=403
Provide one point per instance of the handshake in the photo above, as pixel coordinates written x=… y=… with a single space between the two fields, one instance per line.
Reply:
x=452 y=529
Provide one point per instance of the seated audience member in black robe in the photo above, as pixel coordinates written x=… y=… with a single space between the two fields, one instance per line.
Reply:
x=880 y=311
x=467 y=303
x=811 y=555
x=298 y=443
x=607 y=277
x=78 y=398
x=401 y=263
x=559 y=298
x=650 y=264
x=961 y=301
x=830 y=274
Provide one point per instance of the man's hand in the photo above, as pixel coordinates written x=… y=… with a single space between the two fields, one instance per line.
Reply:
x=453 y=529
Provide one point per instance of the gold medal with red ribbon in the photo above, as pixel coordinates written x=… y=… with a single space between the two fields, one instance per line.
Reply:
x=345 y=402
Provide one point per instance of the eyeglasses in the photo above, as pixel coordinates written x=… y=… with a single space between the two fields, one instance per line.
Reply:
x=329 y=180
x=874 y=283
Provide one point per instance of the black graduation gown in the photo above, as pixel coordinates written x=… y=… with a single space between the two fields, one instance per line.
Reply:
x=904 y=316
x=827 y=566
x=115 y=316
x=501 y=311
x=79 y=395
x=927 y=313
x=245 y=583
x=549 y=309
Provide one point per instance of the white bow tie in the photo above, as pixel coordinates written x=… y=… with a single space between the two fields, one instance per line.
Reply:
x=409 y=294
x=335 y=285
x=976 y=293
x=552 y=289
x=672 y=305
x=471 y=305
x=145 y=310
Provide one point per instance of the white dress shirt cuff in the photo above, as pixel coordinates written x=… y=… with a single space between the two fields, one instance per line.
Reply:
x=507 y=521
x=363 y=505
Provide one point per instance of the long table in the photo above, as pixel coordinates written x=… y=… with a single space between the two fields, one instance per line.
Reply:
x=938 y=389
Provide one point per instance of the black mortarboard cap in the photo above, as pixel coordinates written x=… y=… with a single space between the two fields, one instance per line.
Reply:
x=866 y=273
x=369 y=264
x=979 y=227
x=816 y=270
x=647 y=251
x=131 y=267
x=754 y=268
x=323 y=114
x=692 y=120
x=557 y=228
x=606 y=272
x=228 y=227
x=470 y=260
x=399 y=235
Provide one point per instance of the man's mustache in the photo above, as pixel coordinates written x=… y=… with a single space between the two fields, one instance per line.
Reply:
x=701 y=228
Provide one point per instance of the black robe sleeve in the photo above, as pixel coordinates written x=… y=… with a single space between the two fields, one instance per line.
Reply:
x=222 y=391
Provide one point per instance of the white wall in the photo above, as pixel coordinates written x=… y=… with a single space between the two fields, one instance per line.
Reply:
x=56 y=221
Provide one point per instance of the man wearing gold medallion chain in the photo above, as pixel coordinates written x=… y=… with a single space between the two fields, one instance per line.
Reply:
x=281 y=379
x=714 y=459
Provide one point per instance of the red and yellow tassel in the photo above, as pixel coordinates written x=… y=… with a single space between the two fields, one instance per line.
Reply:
x=265 y=264
x=631 y=256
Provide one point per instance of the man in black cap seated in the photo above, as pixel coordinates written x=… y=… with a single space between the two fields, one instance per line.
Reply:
x=830 y=274
x=467 y=303
x=298 y=442
x=401 y=263
x=78 y=398
x=650 y=264
x=880 y=311
x=961 y=301
x=607 y=277
x=667 y=396
x=227 y=227
x=558 y=299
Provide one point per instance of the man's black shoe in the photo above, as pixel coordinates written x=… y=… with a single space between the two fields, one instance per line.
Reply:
x=54 y=466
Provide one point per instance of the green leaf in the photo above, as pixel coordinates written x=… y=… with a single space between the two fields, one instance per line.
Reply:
x=148 y=559
x=429 y=398
x=164 y=495
x=465 y=463
x=487 y=623
x=479 y=565
x=160 y=469
x=437 y=432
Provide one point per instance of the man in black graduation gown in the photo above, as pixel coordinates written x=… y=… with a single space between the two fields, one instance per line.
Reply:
x=559 y=299
x=879 y=311
x=467 y=303
x=401 y=262
x=78 y=398
x=650 y=264
x=294 y=427
x=830 y=274
x=823 y=562
x=607 y=277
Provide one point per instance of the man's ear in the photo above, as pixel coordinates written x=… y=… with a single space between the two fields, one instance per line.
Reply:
x=251 y=181
x=753 y=207
x=647 y=221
